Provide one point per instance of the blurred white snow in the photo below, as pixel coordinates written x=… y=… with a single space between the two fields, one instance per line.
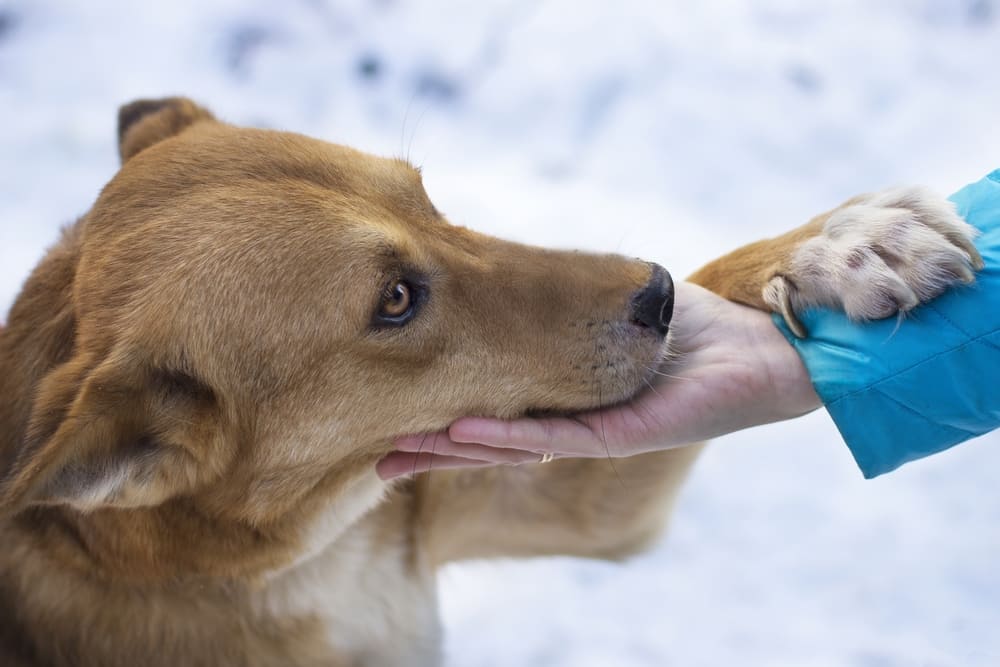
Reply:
x=670 y=130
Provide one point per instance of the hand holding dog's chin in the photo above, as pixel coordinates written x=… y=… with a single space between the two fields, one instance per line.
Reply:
x=732 y=370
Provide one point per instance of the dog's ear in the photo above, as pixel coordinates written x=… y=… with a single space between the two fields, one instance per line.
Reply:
x=146 y=122
x=103 y=438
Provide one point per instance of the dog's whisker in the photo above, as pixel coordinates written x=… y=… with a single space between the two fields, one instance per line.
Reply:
x=654 y=371
x=645 y=408
x=416 y=128
x=651 y=388
x=604 y=435
x=402 y=132
x=420 y=448
x=430 y=465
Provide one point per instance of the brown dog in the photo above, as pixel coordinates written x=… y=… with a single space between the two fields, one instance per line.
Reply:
x=198 y=379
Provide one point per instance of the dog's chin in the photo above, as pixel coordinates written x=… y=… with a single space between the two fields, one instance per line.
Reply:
x=606 y=396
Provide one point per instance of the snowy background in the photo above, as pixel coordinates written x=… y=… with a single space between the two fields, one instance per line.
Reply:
x=667 y=129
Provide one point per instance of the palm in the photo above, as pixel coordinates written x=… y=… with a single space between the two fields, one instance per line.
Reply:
x=732 y=372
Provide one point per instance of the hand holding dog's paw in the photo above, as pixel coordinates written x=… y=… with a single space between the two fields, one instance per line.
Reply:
x=877 y=255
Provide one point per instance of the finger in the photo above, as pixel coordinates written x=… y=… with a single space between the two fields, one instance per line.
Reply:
x=420 y=442
x=398 y=464
x=441 y=443
x=557 y=435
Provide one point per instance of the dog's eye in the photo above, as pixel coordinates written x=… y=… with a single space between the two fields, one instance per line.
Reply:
x=398 y=301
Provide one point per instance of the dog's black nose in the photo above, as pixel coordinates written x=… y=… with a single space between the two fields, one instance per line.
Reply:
x=653 y=305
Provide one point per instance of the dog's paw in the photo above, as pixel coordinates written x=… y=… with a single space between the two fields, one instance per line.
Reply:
x=877 y=255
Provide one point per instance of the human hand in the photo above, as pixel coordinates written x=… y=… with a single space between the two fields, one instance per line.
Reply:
x=730 y=369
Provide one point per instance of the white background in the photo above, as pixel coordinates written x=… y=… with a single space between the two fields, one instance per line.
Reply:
x=669 y=130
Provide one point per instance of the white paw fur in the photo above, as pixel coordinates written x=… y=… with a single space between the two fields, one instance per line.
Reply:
x=882 y=254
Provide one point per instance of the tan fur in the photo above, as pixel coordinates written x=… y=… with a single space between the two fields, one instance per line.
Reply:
x=194 y=399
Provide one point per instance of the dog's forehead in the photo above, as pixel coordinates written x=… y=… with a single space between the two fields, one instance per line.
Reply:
x=217 y=180
x=282 y=165
x=275 y=156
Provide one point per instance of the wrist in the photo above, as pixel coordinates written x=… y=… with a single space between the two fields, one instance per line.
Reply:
x=794 y=394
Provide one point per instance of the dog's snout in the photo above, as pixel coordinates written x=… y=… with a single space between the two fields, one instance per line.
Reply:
x=653 y=305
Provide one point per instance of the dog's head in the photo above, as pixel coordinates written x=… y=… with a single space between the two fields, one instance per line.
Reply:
x=258 y=314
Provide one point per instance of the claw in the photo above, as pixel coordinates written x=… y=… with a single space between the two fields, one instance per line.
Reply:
x=970 y=249
x=793 y=322
x=965 y=274
x=778 y=294
x=977 y=260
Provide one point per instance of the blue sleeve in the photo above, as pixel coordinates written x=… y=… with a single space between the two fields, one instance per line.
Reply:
x=901 y=391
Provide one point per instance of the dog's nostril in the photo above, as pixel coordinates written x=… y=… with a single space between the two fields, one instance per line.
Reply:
x=653 y=305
